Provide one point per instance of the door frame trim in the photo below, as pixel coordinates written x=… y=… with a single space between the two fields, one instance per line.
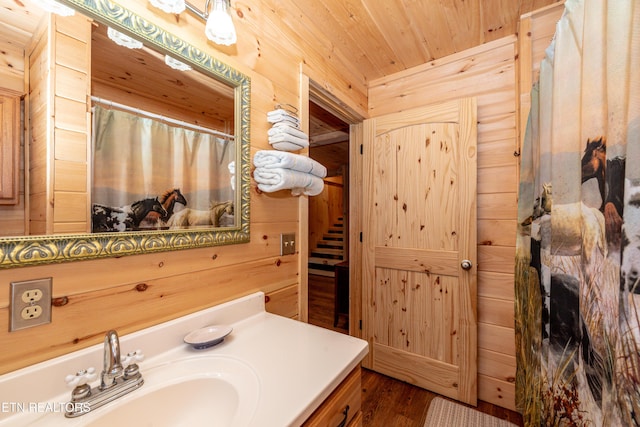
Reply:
x=311 y=90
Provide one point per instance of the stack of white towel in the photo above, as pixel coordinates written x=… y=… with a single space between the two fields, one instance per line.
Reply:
x=285 y=133
x=278 y=170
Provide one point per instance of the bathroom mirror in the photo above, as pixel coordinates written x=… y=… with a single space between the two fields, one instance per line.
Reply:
x=61 y=247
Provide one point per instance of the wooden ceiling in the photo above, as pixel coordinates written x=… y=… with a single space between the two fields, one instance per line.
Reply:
x=382 y=37
x=142 y=73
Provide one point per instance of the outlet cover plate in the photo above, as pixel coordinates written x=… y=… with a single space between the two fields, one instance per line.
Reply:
x=32 y=294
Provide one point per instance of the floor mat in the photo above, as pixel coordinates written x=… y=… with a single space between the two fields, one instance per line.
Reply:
x=444 y=413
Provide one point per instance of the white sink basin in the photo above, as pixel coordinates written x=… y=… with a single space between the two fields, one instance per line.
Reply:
x=271 y=372
x=209 y=390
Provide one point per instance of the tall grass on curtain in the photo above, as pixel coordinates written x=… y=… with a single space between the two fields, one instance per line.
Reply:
x=578 y=249
x=151 y=175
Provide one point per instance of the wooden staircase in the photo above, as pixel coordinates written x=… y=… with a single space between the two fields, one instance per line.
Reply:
x=329 y=251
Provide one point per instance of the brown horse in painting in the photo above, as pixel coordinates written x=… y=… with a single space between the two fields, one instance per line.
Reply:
x=168 y=200
x=609 y=174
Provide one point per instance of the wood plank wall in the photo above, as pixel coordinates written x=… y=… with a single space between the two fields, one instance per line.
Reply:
x=71 y=125
x=12 y=75
x=135 y=292
x=38 y=104
x=489 y=73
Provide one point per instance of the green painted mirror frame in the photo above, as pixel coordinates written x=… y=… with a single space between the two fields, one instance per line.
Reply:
x=35 y=250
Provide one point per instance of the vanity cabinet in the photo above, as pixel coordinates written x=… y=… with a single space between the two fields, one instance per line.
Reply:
x=9 y=148
x=343 y=406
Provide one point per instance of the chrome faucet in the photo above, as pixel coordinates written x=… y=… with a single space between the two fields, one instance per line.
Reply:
x=112 y=368
x=115 y=379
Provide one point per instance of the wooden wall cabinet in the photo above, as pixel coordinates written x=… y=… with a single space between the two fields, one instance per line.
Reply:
x=9 y=149
x=343 y=406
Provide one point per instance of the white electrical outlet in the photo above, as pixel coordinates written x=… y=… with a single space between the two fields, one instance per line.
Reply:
x=30 y=303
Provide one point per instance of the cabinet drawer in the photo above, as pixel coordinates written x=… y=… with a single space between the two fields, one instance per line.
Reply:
x=332 y=412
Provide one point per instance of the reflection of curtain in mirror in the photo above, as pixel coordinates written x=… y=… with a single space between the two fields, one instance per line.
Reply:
x=578 y=249
x=136 y=157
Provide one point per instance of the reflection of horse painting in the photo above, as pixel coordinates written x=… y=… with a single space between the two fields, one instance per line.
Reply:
x=107 y=218
x=610 y=177
x=168 y=200
x=193 y=217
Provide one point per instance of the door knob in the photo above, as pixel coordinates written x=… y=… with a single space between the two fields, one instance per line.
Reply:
x=466 y=264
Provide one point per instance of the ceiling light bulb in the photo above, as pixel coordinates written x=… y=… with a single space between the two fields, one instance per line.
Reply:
x=55 y=7
x=219 y=28
x=169 y=6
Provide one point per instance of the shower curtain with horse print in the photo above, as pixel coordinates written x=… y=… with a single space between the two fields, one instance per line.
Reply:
x=148 y=174
x=578 y=249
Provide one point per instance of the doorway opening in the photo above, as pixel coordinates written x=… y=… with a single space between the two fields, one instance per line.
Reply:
x=328 y=270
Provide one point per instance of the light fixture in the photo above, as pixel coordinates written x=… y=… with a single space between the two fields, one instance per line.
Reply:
x=175 y=64
x=55 y=7
x=169 y=6
x=219 y=28
x=219 y=25
x=123 y=39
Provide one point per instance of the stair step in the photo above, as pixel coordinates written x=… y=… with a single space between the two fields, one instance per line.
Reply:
x=326 y=256
x=327 y=251
x=321 y=272
x=329 y=244
x=332 y=237
x=324 y=261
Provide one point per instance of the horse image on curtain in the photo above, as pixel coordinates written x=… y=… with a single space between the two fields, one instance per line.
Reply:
x=578 y=249
x=150 y=175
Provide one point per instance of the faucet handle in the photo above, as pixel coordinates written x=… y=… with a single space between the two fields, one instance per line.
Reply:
x=81 y=377
x=133 y=357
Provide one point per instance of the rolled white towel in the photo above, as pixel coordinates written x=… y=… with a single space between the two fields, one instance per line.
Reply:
x=281 y=112
x=280 y=115
x=288 y=142
x=286 y=129
x=270 y=159
x=275 y=179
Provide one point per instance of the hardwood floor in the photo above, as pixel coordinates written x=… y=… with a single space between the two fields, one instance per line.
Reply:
x=389 y=402
x=386 y=402
x=321 y=297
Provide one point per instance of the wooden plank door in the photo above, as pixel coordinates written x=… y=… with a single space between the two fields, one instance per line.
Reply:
x=419 y=303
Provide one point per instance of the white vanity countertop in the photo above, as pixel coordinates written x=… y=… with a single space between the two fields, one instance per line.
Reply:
x=298 y=365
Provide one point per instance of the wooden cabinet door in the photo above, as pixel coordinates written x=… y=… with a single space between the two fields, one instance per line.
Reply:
x=9 y=149
x=419 y=302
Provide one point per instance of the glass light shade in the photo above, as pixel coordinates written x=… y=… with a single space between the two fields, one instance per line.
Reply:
x=55 y=7
x=169 y=6
x=175 y=64
x=123 y=40
x=219 y=28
